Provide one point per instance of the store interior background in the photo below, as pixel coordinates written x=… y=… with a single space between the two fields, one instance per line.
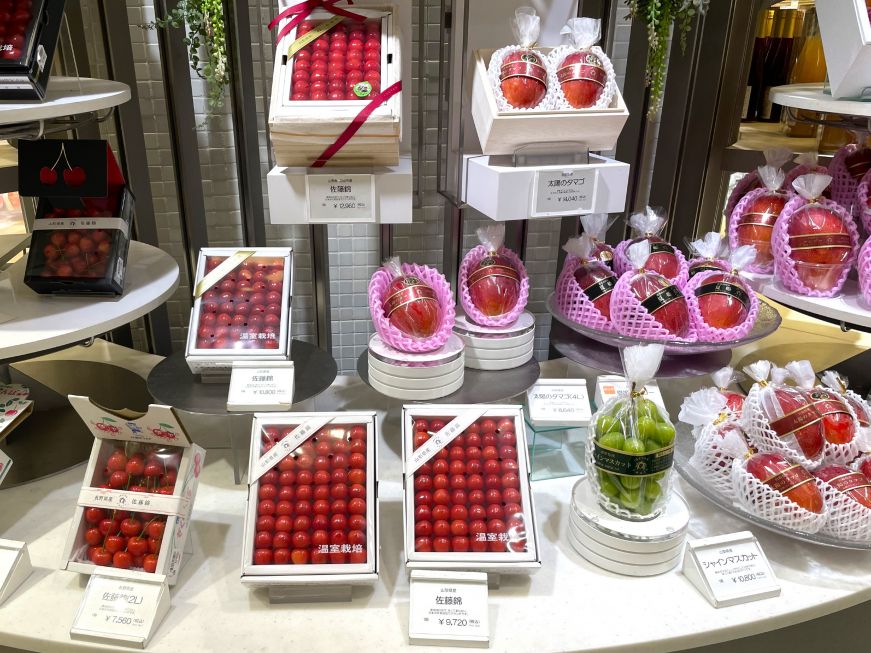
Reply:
x=688 y=176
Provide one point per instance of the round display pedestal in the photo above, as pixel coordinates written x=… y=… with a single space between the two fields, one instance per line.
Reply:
x=497 y=348
x=416 y=377
x=631 y=548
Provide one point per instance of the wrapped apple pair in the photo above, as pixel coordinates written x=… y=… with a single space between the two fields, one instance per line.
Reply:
x=631 y=444
x=575 y=76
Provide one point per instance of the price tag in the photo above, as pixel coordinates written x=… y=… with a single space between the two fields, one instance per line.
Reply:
x=340 y=198
x=561 y=402
x=261 y=386
x=5 y=466
x=730 y=569
x=117 y=609
x=564 y=192
x=15 y=567
x=448 y=607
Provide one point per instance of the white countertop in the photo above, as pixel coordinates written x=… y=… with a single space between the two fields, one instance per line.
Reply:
x=567 y=605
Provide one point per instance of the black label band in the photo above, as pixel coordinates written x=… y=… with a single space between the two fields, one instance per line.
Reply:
x=600 y=288
x=656 y=248
x=630 y=464
x=660 y=298
x=703 y=267
x=724 y=288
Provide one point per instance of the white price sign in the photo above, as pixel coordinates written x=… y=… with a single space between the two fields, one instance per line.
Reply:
x=120 y=609
x=562 y=402
x=564 y=192
x=448 y=606
x=5 y=466
x=261 y=386
x=341 y=198
x=730 y=569
x=15 y=567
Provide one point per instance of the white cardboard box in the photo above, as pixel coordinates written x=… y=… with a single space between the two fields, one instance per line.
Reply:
x=313 y=574
x=501 y=191
x=503 y=132
x=289 y=200
x=846 y=33
x=159 y=425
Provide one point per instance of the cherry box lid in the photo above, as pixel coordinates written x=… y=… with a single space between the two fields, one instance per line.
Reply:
x=158 y=425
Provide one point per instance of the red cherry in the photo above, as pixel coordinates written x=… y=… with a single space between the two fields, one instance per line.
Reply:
x=149 y=563
x=94 y=515
x=263 y=556
x=101 y=556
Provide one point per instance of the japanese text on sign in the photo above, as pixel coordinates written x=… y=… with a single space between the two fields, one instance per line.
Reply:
x=341 y=198
x=563 y=192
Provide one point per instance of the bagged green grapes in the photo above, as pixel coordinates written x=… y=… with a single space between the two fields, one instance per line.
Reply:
x=631 y=445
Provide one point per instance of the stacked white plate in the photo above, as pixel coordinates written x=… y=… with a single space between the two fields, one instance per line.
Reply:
x=631 y=548
x=416 y=377
x=497 y=348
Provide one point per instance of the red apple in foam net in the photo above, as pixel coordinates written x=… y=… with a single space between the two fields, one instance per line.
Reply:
x=523 y=79
x=838 y=426
x=723 y=300
x=662 y=257
x=865 y=467
x=792 y=481
x=851 y=484
x=756 y=224
x=494 y=285
x=597 y=281
x=801 y=420
x=582 y=78
x=663 y=300
x=820 y=246
x=734 y=401
x=411 y=306
x=858 y=163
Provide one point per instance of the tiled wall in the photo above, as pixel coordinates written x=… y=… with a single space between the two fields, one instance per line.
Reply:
x=354 y=250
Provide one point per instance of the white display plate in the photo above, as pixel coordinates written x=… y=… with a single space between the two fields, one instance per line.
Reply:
x=428 y=372
x=464 y=326
x=416 y=384
x=474 y=344
x=450 y=351
x=849 y=306
x=416 y=395
x=623 y=557
x=493 y=366
x=619 y=567
x=505 y=353
x=627 y=545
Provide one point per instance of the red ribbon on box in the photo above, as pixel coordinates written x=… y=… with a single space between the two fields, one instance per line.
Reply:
x=377 y=100
x=302 y=10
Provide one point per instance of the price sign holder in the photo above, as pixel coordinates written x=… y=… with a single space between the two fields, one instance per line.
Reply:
x=261 y=386
x=559 y=402
x=730 y=569
x=340 y=198
x=448 y=608
x=561 y=192
x=119 y=610
x=5 y=466
x=15 y=567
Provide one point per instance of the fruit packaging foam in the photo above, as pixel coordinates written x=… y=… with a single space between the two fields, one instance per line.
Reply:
x=712 y=334
x=469 y=263
x=573 y=301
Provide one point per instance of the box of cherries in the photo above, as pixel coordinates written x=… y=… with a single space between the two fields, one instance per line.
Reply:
x=241 y=307
x=468 y=502
x=312 y=513
x=135 y=504
x=27 y=45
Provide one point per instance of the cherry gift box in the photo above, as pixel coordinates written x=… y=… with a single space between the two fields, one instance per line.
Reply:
x=27 y=47
x=312 y=512
x=241 y=307
x=467 y=497
x=319 y=90
x=81 y=232
x=134 y=508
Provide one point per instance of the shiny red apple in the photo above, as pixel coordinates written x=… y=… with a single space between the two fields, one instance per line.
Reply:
x=523 y=79
x=792 y=481
x=582 y=79
x=838 y=426
x=757 y=222
x=494 y=285
x=800 y=419
x=850 y=483
x=724 y=300
x=734 y=401
x=663 y=300
x=858 y=163
x=662 y=258
x=865 y=467
x=597 y=281
x=820 y=245
x=412 y=307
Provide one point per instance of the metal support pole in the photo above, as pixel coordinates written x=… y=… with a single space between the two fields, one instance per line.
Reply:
x=385 y=242
x=453 y=235
x=245 y=122
x=321 y=281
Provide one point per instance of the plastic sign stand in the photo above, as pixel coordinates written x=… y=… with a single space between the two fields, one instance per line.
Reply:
x=118 y=610
x=449 y=608
x=261 y=386
x=15 y=567
x=730 y=569
x=5 y=466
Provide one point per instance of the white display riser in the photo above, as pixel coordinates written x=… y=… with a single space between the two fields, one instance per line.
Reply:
x=502 y=192
x=288 y=197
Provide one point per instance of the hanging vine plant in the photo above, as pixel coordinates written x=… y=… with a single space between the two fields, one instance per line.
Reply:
x=659 y=16
x=204 y=24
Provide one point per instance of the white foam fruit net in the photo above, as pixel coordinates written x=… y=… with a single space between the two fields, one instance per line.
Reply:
x=848 y=519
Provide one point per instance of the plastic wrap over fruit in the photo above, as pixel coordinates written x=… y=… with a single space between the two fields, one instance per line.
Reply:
x=583 y=72
x=722 y=305
x=752 y=221
x=631 y=444
x=776 y=157
x=596 y=226
x=723 y=378
x=840 y=384
x=664 y=258
x=710 y=254
x=409 y=303
x=520 y=72
x=847 y=494
x=595 y=279
x=494 y=283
